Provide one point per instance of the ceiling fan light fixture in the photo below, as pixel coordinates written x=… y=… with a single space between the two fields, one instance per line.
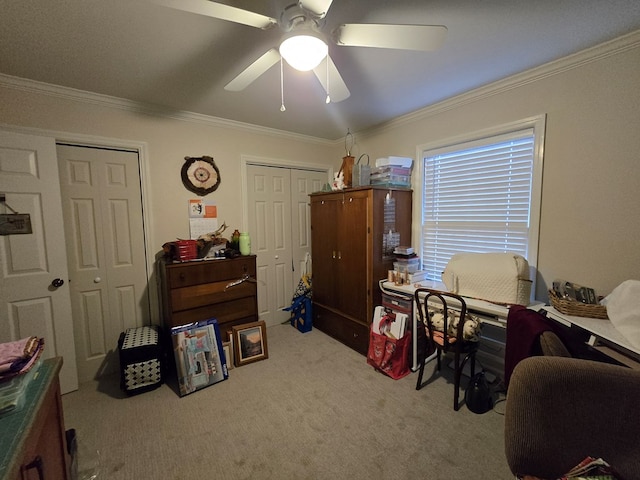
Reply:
x=303 y=52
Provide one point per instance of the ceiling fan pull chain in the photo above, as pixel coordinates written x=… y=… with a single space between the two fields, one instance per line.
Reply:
x=328 y=99
x=282 y=108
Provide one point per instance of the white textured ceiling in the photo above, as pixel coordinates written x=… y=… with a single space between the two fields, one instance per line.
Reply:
x=140 y=51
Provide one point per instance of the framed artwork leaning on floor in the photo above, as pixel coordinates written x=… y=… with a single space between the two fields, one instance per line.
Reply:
x=199 y=355
x=249 y=343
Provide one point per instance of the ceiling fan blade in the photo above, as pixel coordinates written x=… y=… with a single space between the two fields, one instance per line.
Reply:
x=337 y=89
x=317 y=7
x=253 y=71
x=404 y=37
x=223 y=12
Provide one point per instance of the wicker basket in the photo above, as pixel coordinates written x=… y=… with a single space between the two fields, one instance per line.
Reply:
x=578 y=309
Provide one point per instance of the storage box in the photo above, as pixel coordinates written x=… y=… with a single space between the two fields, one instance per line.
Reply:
x=492 y=348
x=141 y=359
x=398 y=303
x=409 y=267
x=391 y=170
x=187 y=250
x=405 y=162
x=391 y=180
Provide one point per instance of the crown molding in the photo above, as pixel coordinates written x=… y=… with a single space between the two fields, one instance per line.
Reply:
x=613 y=47
x=107 y=101
x=593 y=54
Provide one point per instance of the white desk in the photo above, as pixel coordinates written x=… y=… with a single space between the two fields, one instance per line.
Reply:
x=601 y=331
x=492 y=316
x=490 y=312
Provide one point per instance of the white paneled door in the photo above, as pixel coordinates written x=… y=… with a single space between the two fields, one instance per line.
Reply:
x=278 y=214
x=102 y=207
x=34 y=287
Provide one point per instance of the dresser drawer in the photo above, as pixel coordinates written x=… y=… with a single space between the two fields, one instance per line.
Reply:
x=186 y=298
x=195 y=273
x=196 y=291
x=243 y=309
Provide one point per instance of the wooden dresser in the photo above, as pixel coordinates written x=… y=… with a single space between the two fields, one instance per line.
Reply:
x=351 y=247
x=199 y=290
x=32 y=439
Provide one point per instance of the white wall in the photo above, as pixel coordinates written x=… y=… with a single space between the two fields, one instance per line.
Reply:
x=167 y=141
x=591 y=186
x=590 y=217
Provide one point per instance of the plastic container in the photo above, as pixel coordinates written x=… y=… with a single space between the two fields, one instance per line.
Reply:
x=12 y=391
x=391 y=170
x=398 y=303
x=406 y=267
x=394 y=179
x=187 y=250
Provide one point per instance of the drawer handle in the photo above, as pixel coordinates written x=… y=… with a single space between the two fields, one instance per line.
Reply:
x=244 y=278
x=37 y=464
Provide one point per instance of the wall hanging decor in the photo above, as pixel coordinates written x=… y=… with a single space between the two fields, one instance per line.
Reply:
x=200 y=175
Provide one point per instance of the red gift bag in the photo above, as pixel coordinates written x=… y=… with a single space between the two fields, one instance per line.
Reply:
x=389 y=355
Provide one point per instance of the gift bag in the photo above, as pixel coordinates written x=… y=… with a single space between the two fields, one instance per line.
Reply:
x=301 y=313
x=304 y=284
x=300 y=308
x=389 y=355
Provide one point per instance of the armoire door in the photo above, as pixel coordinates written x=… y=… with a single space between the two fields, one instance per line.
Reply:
x=352 y=230
x=325 y=257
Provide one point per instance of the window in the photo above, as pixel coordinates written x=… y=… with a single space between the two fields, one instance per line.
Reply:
x=482 y=194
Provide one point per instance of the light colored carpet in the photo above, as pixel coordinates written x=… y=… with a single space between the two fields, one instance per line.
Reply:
x=313 y=410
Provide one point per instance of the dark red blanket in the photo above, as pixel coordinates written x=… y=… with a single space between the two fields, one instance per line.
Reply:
x=524 y=327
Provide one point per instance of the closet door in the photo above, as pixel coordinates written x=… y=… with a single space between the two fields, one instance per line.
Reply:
x=279 y=225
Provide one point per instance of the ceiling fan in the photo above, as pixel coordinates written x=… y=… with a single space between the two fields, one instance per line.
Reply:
x=304 y=45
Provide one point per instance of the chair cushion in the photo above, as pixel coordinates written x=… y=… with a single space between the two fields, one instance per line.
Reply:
x=472 y=325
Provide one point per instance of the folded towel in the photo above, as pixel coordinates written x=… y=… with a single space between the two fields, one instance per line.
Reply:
x=18 y=357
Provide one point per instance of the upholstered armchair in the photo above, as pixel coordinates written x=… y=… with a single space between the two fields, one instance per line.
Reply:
x=560 y=410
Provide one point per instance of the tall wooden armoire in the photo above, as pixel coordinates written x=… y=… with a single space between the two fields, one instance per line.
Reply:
x=353 y=234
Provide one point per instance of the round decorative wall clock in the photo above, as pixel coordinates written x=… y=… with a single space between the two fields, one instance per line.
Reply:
x=200 y=175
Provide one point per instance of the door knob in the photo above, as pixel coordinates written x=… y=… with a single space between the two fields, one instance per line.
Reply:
x=57 y=282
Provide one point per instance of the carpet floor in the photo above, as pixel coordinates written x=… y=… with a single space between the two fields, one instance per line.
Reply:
x=313 y=410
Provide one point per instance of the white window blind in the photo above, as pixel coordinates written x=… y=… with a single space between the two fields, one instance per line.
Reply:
x=477 y=198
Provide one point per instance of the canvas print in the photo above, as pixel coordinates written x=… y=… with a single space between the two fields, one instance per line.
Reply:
x=199 y=354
